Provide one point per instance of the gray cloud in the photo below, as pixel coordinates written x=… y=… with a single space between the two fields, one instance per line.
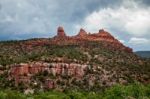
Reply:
x=30 y=16
x=145 y=2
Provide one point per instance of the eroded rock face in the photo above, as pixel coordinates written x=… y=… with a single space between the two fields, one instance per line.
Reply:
x=55 y=75
x=23 y=72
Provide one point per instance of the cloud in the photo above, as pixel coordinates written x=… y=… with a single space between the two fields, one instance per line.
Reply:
x=144 y=2
x=139 y=44
x=139 y=41
x=128 y=22
x=43 y=17
x=130 y=18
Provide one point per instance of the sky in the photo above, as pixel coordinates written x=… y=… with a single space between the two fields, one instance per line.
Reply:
x=126 y=20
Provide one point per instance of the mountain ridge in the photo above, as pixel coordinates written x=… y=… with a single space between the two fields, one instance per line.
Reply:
x=144 y=54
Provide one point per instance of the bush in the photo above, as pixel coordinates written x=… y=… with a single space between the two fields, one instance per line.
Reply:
x=136 y=90
x=132 y=91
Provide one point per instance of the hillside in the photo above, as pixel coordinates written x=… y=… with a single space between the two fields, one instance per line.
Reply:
x=84 y=61
x=144 y=54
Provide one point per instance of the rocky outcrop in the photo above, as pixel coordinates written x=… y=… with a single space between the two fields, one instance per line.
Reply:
x=24 y=72
x=82 y=37
x=60 y=75
x=60 y=32
x=82 y=33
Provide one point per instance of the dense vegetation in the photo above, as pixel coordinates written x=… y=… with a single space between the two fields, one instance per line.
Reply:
x=16 y=52
x=21 y=51
x=132 y=91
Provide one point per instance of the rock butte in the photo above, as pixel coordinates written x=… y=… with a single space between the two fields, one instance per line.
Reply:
x=102 y=36
x=82 y=38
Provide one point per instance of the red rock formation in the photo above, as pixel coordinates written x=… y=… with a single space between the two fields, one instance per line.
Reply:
x=105 y=35
x=62 y=39
x=23 y=72
x=102 y=36
x=21 y=69
x=61 y=32
x=82 y=33
x=82 y=36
